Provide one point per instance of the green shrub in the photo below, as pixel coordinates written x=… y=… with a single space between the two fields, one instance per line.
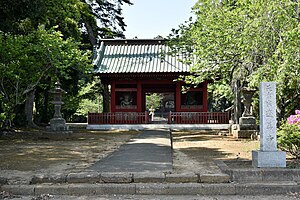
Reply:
x=288 y=139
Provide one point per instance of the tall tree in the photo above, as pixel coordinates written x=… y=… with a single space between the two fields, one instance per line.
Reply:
x=243 y=40
x=92 y=18
x=46 y=40
x=27 y=60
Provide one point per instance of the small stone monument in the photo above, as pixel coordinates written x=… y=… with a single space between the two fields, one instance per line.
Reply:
x=247 y=126
x=268 y=156
x=57 y=123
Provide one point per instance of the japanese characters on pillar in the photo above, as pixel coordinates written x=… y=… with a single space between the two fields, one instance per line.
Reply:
x=268 y=117
x=268 y=156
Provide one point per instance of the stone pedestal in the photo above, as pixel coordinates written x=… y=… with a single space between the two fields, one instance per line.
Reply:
x=58 y=124
x=248 y=121
x=247 y=128
x=245 y=134
x=268 y=156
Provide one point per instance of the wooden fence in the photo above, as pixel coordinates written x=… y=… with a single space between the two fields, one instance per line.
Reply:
x=198 y=118
x=119 y=118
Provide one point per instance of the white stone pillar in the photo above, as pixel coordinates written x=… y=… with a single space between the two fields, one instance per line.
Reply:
x=268 y=156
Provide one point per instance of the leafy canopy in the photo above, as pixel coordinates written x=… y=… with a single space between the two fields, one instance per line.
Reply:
x=26 y=61
x=251 y=41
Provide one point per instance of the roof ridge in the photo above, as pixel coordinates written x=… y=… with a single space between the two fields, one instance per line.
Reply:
x=134 y=41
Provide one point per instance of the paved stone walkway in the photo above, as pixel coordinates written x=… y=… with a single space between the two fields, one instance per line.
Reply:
x=150 y=151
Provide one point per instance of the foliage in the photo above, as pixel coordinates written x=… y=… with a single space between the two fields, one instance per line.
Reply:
x=42 y=41
x=90 y=101
x=109 y=12
x=153 y=101
x=244 y=40
x=73 y=17
x=27 y=61
x=220 y=96
x=87 y=105
x=288 y=136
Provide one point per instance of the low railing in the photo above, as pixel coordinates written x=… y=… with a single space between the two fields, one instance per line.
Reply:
x=119 y=118
x=173 y=118
x=198 y=118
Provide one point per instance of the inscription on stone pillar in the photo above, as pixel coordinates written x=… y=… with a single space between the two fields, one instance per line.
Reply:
x=268 y=156
x=268 y=116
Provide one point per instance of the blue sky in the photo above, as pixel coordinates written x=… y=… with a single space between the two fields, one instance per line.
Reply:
x=147 y=19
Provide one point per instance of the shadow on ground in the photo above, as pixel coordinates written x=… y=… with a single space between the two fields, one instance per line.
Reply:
x=29 y=150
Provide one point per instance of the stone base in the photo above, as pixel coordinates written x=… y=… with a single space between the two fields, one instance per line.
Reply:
x=268 y=159
x=56 y=135
x=247 y=120
x=245 y=134
x=58 y=124
x=247 y=123
x=248 y=127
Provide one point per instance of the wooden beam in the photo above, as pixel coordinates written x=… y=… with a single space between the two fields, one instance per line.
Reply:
x=126 y=89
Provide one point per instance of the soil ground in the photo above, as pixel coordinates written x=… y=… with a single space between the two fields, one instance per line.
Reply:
x=201 y=148
x=32 y=151
x=37 y=151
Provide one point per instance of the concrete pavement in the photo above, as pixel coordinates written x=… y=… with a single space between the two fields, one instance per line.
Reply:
x=148 y=152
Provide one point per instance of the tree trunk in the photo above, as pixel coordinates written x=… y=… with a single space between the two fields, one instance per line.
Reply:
x=91 y=33
x=237 y=101
x=46 y=116
x=106 y=99
x=29 y=107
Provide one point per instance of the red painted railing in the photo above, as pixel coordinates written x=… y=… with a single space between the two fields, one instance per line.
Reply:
x=173 y=118
x=119 y=118
x=198 y=118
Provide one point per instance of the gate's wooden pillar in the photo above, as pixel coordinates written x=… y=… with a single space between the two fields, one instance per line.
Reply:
x=178 y=97
x=139 y=96
x=205 y=97
x=106 y=98
x=143 y=101
x=113 y=96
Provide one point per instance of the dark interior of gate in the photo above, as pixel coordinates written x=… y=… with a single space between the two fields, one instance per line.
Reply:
x=131 y=97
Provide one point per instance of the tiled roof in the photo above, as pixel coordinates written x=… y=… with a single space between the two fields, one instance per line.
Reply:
x=136 y=56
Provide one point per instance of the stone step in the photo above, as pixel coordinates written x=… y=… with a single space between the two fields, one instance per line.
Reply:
x=118 y=177
x=80 y=189
x=259 y=174
x=241 y=175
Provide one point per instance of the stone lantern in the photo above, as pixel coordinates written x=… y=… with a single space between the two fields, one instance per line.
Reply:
x=247 y=101
x=247 y=126
x=57 y=123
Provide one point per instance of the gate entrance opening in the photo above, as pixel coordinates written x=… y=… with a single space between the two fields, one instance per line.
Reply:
x=159 y=105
